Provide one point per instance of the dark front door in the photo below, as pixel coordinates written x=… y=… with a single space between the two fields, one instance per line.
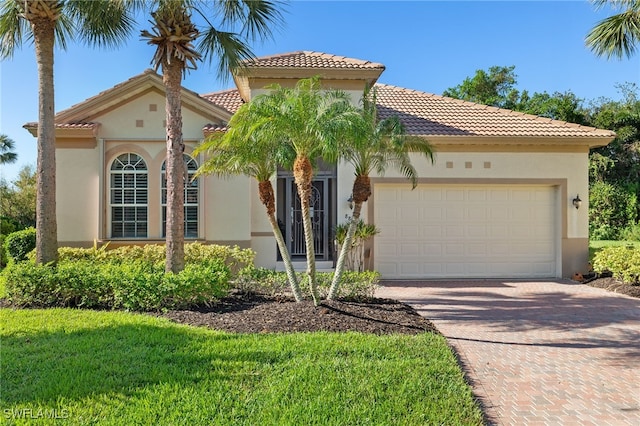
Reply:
x=321 y=218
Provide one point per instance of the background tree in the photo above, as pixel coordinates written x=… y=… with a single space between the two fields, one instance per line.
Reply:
x=242 y=151
x=619 y=34
x=7 y=153
x=174 y=34
x=98 y=22
x=18 y=201
x=495 y=87
x=373 y=145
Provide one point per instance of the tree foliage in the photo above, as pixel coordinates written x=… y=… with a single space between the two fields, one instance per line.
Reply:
x=7 y=150
x=18 y=201
x=618 y=35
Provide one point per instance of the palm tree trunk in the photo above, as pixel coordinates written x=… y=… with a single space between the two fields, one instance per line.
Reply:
x=286 y=258
x=346 y=246
x=172 y=78
x=46 y=225
x=303 y=174
x=268 y=199
x=361 y=193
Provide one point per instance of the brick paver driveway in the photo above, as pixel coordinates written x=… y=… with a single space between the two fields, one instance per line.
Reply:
x=547 y=353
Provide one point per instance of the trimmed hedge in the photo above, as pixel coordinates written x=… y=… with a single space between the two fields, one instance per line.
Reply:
x=622 y=262
x=133 y=284
x=19 y=244
x=194 y=253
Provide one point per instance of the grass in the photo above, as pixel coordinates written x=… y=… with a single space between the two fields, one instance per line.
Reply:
x=92 y=367
x=597 y=245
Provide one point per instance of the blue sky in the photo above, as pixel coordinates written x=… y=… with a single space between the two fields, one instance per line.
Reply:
x=425 y=45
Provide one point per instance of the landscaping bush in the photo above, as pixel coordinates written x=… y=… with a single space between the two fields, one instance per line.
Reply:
x=234 y=257
x=354 y=284
x=3 y=252
x=632 y=233
x=132 y=284
x=622 y=262
x=18 y=244
x=611 y=210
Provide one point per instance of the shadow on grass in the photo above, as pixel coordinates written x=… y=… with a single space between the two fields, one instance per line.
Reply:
x=122 y=359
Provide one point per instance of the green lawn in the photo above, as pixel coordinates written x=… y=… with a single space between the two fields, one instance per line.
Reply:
x=597 y=245
x=92 y=367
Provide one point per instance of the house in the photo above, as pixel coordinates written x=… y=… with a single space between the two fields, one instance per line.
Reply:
x=498 y=202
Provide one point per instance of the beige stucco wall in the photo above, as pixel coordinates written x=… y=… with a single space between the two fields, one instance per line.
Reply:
x=77 y=195
x=225 y=213
x=568 y=168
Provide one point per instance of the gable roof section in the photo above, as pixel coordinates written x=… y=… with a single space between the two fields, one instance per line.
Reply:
x=304 y=64
x=82 y=115
x=310 y=59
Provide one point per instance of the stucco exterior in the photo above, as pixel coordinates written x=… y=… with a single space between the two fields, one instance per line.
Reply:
x=130 y=118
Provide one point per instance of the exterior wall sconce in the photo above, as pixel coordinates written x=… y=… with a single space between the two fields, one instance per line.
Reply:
x=577 y=202
x=350 y=201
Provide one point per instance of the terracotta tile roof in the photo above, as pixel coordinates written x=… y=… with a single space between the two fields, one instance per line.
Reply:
x=227 y=99
x=78 y=125
x=427 y=114
x=309 y=59
x=213 y=128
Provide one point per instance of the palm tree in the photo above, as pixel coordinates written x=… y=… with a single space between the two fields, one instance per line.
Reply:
x=174 y=35
x=617 y=35
x=7 y=153
x=238 y=153
x=374 y=145
x=310 y=121
x=98 y=22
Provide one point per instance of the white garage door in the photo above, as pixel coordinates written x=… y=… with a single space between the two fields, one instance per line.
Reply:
x=465 y=231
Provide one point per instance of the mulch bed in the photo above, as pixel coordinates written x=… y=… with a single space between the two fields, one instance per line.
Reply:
x=262 y=314
x=611 y=284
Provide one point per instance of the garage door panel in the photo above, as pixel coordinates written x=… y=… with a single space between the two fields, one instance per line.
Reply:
x=465 y=231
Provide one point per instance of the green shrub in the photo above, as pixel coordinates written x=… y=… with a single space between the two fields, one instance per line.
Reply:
x=133 y=285
x=622 y=262
x=18 y=244
x=611 y=210
x=194 y=253
x=631 y=233
x=354 y=284
x=3 y=252
x=28 y=284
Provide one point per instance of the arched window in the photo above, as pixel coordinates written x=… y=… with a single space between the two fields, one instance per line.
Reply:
x=128 y=195
x=190 y=199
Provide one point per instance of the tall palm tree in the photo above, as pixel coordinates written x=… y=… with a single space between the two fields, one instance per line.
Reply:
x=98 y=22
x=7 y=153
x=174 y=34
x=617 y=35
x=372 y=146
x=310 y=121
x=240 y=151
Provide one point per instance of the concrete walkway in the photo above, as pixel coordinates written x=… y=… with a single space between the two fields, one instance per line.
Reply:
x=538 y=353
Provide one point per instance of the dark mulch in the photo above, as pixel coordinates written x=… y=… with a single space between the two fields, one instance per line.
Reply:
x=261 y=314
x=611 y=284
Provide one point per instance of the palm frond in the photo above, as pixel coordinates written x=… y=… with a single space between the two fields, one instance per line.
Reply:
x=226 y=48
x=13 y=28
x=618 y=35
x=102 y=23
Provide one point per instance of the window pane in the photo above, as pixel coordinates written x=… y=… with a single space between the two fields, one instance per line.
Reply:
x=129 y=206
